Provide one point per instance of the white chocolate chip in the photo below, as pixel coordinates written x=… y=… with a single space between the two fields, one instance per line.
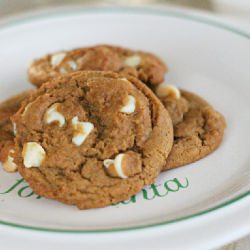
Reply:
x=72 y=64
x=26 y=109
x=33 y=155
x=129 y=106
x=81 y=130
x=117 y=163
x=33 y=70
x=52 y=115
x=164 y=90
x=62 y=70
x=57 y=58
x=132 y=61
x=9 y=165
x=123 y=79
x=108 y=162
x=14 y=128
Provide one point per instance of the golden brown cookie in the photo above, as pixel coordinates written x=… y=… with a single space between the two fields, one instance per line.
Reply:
x=92 y=138
x=8 y=108
x=145 y=66
x=198 y=128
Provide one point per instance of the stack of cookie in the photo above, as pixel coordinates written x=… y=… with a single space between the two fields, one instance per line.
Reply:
x=102 y=125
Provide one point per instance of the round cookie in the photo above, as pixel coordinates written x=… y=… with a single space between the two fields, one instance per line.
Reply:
x=198 y=128
x=8 y=108
x=92 y=138
x=145 y=66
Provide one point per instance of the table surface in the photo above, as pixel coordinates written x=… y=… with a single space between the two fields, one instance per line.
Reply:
x=239 y=11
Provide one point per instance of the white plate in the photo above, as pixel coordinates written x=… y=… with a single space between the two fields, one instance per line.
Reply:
x=202 y=204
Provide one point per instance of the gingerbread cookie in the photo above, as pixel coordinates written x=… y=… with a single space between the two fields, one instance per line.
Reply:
x=92 y=138
x=198 y=128
x=145 y=66
x=7 y=109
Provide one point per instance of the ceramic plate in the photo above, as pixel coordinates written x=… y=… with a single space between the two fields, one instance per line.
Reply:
x=206 y=197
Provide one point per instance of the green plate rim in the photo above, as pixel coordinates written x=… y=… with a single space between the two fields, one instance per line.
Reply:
x=130 y=10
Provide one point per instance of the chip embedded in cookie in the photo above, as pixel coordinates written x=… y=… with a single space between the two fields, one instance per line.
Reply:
x=198 y=128
x=145 y=66
x=7 y=129
x=92 y=138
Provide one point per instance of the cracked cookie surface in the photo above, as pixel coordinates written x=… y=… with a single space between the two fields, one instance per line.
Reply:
x=145 y=66
x=198 y=129
x=98 y=138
